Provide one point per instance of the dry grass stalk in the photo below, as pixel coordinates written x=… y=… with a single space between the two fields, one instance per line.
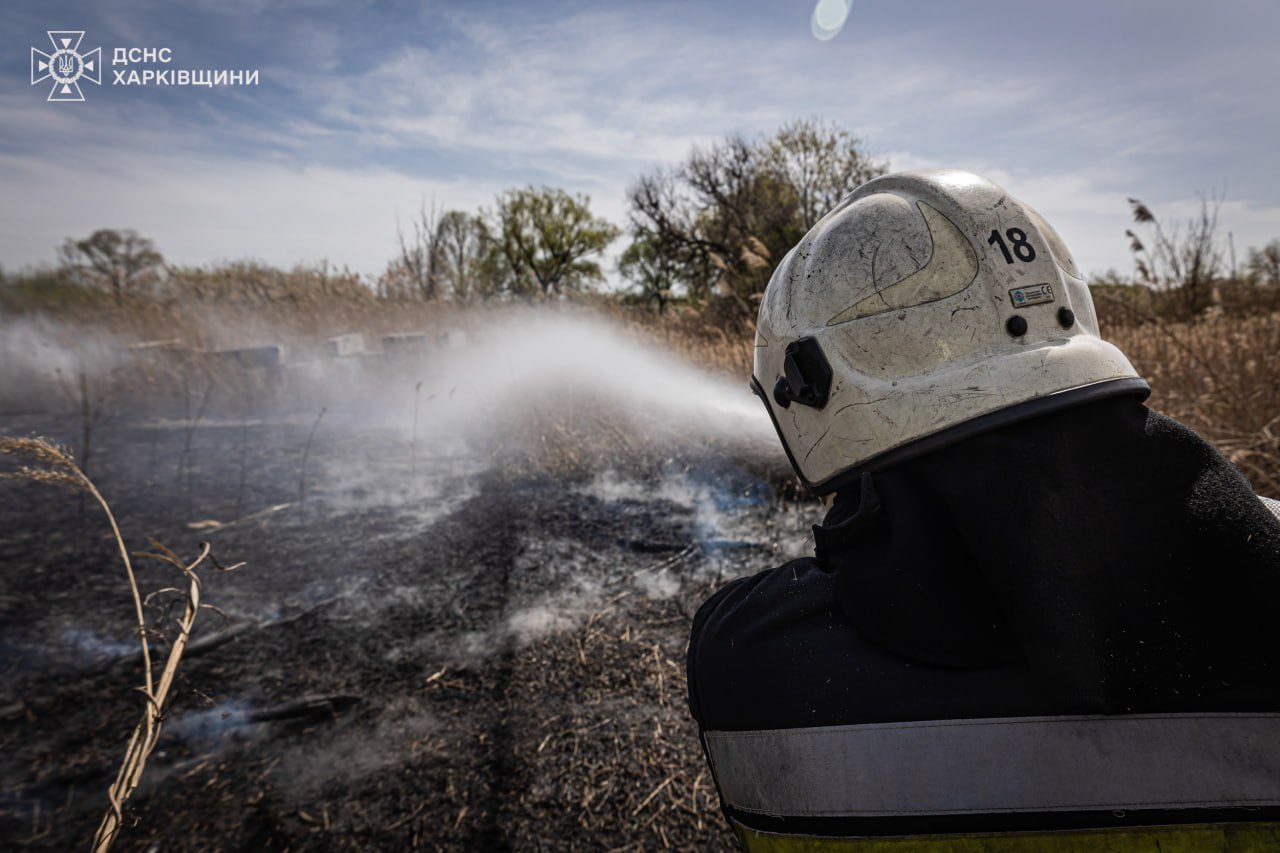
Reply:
x=54 y=465
x=147 y=732
x=306 y=452
x=48 y=463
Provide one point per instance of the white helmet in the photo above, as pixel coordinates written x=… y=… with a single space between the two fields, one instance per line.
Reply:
x=926 y=307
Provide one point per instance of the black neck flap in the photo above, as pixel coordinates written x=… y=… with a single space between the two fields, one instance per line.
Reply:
x=1108 y=546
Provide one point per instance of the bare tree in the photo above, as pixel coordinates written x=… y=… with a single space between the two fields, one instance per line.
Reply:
x=668 y=217
x=1187 y=258
x=821 y=163
x=709 y=217
x=118 y=258
x=419 y=261
x=724 y=218
x=1263 y=264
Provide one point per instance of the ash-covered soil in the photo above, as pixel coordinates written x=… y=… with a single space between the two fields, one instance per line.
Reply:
x=425 y=653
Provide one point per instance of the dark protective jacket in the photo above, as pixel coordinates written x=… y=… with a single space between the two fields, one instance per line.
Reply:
x=1068 y=623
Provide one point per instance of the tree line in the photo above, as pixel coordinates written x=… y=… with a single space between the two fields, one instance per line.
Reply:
x=710 y=229
x=715 y=224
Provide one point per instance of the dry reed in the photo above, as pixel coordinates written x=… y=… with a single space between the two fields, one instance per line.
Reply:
x=46 y=462
x=1219 y=375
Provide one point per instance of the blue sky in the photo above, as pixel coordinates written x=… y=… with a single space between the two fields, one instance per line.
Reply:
x=365 y=109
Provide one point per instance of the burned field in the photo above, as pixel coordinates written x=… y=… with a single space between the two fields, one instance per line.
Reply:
x=469 y=577
x=428 y=647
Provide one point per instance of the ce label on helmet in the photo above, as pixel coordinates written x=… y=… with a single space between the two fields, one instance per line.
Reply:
x=1034 y=295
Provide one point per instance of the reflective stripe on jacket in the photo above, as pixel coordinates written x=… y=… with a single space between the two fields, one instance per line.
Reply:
x=1207 y=838
x=1063 y=782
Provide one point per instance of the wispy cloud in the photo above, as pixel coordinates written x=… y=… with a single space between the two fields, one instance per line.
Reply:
x=1075 y=106
x=226 y=210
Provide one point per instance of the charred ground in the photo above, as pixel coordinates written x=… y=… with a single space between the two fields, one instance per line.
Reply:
x=435 y=653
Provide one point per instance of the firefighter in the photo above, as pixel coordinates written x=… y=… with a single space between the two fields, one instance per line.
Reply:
x=1039 y=615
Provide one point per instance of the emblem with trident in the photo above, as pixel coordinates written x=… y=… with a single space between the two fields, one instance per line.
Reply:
x=66 y=66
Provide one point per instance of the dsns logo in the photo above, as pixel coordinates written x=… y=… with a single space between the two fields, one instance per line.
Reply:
x=66 y=66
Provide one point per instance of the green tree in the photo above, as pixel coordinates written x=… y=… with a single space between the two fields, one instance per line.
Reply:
x=120 y=259
x=462 y=244
x=652 y=273
x=545 y=237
